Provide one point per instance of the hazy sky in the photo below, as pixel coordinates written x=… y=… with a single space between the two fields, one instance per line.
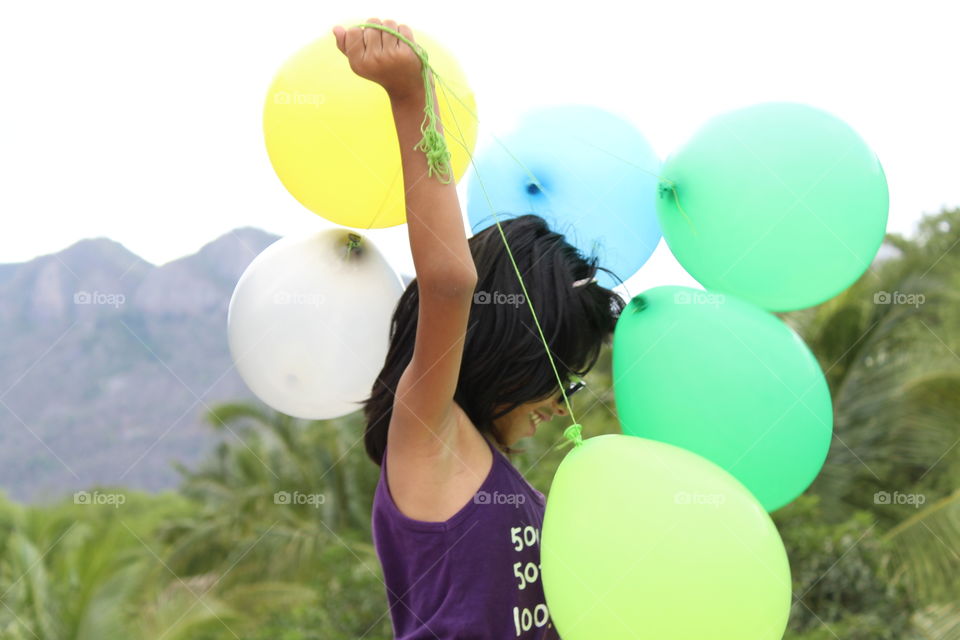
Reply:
x=141 y=121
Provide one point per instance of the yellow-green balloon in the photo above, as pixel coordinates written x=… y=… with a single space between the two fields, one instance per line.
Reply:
x=782 y=204
x=643 y=540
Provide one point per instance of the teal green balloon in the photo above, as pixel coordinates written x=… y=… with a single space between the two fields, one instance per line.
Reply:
x=719 y=376
x=642 y=540
x=782 y=204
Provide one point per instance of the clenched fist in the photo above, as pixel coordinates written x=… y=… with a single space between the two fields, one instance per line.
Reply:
x=382 y=57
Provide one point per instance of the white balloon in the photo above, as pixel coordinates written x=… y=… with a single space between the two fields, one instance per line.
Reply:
x=309 y=323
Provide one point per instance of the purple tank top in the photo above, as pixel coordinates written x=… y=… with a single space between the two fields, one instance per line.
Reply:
x=475 y=576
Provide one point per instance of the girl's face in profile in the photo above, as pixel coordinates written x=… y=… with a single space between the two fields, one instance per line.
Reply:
x=524 y=420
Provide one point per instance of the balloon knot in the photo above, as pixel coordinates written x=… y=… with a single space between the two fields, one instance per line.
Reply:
x=639 y=303
x=665 y=188
x=572 y=434
x=353 y=242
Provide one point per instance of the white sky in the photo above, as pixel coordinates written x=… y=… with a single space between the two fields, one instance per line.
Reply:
x=142 y=121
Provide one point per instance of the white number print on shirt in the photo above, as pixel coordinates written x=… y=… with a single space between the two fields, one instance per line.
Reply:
x=527 y=573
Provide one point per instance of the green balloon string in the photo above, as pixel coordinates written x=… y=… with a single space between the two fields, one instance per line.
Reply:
x=432 y=144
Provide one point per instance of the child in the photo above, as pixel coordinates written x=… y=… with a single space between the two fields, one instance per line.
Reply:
x=455 y=525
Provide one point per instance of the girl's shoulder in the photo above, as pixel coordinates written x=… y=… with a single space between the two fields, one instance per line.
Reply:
x=434 y=489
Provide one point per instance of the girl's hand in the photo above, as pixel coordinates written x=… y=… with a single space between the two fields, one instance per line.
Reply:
x=380 y=56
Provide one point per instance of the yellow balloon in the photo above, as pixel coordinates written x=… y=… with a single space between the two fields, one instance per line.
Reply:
x=331 y=137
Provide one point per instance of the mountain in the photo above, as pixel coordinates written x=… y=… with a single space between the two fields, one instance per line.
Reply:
x=108 y=362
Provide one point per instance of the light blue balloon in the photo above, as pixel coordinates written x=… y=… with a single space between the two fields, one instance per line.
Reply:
x=594 y=179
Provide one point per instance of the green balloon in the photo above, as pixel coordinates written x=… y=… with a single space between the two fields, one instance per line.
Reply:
x=642 y=540
x=727 y=380
x=782 y=204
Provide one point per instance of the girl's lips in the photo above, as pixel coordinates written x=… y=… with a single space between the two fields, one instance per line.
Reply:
x=534 y=421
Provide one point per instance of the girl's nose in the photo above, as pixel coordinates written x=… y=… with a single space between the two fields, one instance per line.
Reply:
x=559 y=408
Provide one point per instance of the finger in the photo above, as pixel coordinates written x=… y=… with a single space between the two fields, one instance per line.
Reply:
x=407 y=33
x=390 y=41
x=353 y=41
x=372 y=40
x=339 y=34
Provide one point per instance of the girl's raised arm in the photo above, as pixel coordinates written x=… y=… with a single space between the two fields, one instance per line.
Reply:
x=423 y=424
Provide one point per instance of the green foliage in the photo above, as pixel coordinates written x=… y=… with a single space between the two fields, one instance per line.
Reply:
x=840 y=575
x=938 y=622
x=250 y=526
x=73 y=570
x=350 y=605
x=926 y=546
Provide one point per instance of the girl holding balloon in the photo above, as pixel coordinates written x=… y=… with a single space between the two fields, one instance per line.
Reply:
x=455 y=524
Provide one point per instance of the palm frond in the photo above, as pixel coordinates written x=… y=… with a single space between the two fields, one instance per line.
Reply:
x=927 y=548
x=937 y=622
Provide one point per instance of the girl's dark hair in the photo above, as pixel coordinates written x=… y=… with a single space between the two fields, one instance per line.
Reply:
x=504 y=362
